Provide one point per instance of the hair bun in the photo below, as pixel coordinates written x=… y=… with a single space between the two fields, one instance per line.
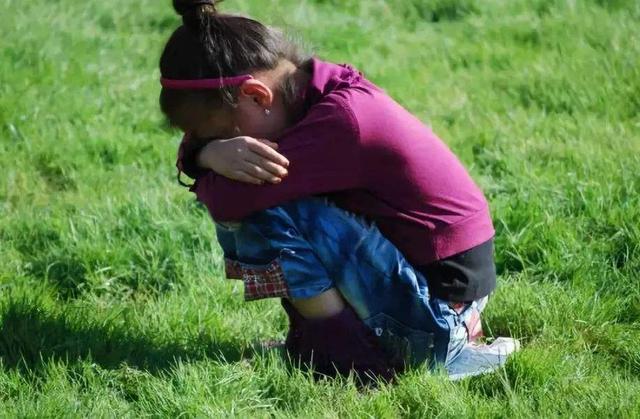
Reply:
x=187 y=7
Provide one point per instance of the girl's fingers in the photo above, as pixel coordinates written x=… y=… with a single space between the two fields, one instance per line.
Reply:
x=268 y=153
x=260 y=173
x=269 y=143
x=241 y=176
x=268 y=165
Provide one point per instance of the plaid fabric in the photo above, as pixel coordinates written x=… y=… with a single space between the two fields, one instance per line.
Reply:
x=470 y=315
x=259 y=281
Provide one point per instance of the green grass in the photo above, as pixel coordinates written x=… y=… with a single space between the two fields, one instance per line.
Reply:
x=112 y=301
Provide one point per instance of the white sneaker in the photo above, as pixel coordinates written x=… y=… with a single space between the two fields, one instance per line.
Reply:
x=476 y=359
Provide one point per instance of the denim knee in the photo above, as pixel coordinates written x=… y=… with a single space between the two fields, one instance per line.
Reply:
x=272 y=258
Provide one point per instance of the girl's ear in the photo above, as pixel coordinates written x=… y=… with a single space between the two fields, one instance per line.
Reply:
x=258 y=91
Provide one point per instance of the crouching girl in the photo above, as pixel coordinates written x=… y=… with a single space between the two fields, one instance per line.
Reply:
x=363 y=222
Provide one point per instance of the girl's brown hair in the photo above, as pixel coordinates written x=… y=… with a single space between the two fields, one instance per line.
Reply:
x=212 y=45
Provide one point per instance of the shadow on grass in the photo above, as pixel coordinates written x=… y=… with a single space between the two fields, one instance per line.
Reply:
x=30 y=337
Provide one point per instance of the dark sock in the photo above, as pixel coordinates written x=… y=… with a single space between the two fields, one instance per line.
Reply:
x=338 y=344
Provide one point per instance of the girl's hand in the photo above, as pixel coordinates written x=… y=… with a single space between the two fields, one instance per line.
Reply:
x=245 y=159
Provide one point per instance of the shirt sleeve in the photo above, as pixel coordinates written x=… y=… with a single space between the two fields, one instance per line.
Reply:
x=324 y=155
x=186 y=159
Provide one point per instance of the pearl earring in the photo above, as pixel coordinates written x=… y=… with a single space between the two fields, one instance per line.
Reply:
x=267 y=112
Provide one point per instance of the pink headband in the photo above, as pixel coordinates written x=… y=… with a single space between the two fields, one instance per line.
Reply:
x=202 y=84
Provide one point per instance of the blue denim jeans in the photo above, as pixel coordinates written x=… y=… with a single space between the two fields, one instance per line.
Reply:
x=315 y=246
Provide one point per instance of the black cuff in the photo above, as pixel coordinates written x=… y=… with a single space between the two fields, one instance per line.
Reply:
x=189 y=164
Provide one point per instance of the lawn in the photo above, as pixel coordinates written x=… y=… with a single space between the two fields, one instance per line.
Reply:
x=112 y=298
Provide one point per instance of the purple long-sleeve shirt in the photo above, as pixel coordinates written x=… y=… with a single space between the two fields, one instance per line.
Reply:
x=374 y=159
